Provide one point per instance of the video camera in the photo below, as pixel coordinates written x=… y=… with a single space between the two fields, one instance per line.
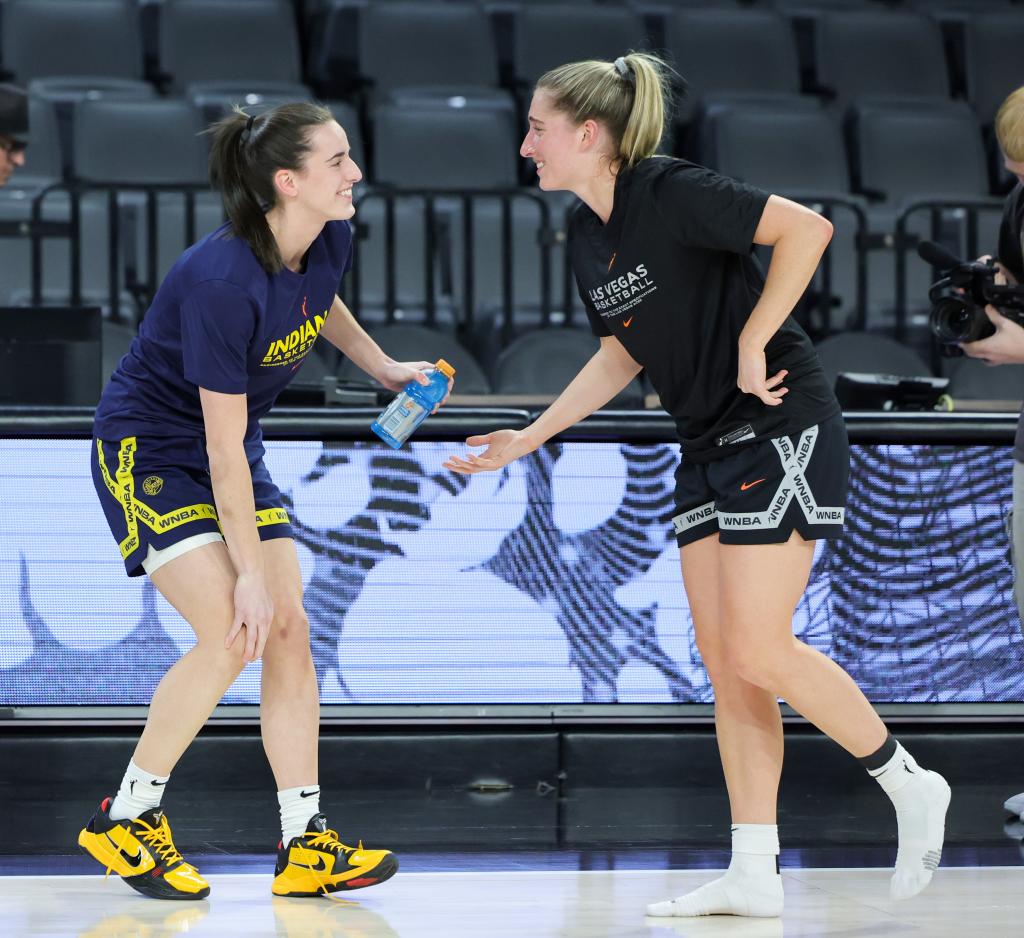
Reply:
x=959 y=298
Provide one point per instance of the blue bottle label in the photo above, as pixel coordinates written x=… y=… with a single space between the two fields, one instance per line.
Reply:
x=401 y=417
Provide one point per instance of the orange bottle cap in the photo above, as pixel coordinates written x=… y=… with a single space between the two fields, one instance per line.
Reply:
x=445 y=368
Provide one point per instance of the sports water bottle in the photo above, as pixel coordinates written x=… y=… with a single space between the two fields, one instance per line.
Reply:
x=407 y=411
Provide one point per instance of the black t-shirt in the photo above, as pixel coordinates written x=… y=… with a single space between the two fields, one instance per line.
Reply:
x=1011 y=237
x=1011 y=256
x=671 y=276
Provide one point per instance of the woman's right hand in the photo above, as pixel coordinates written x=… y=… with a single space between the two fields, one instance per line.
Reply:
x=503 y=447
x=254 y=611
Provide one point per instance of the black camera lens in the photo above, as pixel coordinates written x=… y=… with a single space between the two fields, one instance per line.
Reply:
x=955 y=320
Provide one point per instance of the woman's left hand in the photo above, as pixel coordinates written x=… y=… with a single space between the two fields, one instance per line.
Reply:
x=753 y=378
x=396 y=375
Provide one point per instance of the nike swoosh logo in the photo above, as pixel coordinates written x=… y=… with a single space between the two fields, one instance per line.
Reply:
x=158 y=784
x=612 y=261
x=750 y=485
x=309 y=794
x=131 y=860
x=627 y=322
x=321 y=865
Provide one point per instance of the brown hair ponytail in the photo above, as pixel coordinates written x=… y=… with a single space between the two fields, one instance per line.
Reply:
x=246 y=153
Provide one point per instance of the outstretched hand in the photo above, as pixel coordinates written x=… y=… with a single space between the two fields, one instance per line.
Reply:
x=503 y=447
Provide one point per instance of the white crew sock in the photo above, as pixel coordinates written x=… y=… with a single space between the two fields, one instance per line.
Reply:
x=140 y=790
x=920 y=798
x=751 y=886
x=298 y=805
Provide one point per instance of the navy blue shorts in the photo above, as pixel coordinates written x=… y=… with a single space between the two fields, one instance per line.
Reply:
x=764 y=492
x=156 y=492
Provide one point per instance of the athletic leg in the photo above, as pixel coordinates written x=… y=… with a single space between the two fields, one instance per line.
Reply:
x=760 y=588
x=290 y=697
x=200 y=585
x=138 y=845
x=748 y=726
x=311 y=859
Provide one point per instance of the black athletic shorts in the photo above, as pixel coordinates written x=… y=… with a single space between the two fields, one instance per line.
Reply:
x=156 y=492
x=762 y=493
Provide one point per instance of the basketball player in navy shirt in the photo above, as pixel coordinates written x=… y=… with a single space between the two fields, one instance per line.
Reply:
x=661 y=250
x=177 y=461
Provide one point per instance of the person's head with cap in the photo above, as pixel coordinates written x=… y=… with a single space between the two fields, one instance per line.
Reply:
x=13 y=130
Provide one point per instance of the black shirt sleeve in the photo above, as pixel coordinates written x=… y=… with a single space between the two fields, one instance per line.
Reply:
x=1011 y=249
x=597 y=324
x=705 y=210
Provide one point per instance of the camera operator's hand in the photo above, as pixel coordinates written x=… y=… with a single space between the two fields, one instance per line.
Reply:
x=1006 y=347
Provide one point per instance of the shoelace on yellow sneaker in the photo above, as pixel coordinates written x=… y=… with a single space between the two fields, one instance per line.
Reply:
x=159 y=838
x=329 y=840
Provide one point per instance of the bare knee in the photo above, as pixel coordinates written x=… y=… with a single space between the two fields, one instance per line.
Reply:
x=716 y=663
x=289 y=635
x=227 y=662
x=761 y=664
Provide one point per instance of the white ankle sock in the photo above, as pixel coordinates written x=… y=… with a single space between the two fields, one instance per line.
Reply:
x=298 y=805
x=751 y=886
x=920 y=798
x=140 y=790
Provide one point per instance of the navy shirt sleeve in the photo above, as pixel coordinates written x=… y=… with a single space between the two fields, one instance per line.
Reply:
x=705 y=210
x=218 y=321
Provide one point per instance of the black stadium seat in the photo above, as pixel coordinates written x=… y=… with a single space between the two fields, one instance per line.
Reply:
x=903 y=154
x=408 y=342
x=544 y=361
x=426 y=44
x=863 y=53
x=726 y=52
x=869 y=354
x=992 y=51
x=974 y=380
x=47 y=38
x=204 y=42
x=548 y=36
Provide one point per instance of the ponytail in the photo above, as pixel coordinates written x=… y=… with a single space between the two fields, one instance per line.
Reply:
x=246 y=153
x=627 y=96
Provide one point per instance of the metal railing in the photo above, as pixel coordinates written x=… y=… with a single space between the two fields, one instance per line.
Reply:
x=443 y=211
x=450 y=220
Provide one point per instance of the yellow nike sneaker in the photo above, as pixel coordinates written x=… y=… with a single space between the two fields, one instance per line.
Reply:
x=143 y=854
x=318 y=863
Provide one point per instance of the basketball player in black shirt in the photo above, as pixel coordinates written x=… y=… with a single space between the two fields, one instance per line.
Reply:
x=661 y=250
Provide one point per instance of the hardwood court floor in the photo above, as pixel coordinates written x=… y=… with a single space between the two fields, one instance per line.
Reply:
x=963 y=902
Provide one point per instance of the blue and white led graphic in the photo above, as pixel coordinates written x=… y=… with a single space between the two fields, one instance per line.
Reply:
x=554 y=581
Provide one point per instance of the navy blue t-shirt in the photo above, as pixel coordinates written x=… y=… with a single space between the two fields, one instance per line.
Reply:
x=221 y=322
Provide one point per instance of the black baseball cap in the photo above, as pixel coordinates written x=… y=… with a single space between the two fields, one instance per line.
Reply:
x=13 y=113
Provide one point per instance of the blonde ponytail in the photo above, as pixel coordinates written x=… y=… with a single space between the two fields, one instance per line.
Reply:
x=627 y=96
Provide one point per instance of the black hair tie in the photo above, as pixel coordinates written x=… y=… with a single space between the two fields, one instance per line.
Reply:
x=247 y=133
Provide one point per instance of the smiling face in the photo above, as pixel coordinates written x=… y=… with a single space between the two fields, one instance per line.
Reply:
x=323 y=186
x=560 y=151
